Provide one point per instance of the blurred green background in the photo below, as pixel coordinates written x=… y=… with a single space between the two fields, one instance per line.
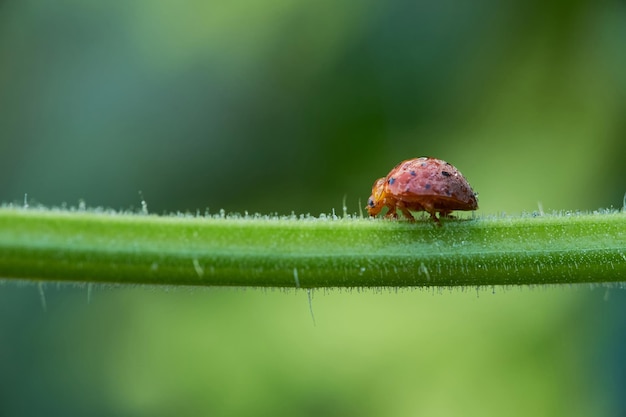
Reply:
x=281 y=106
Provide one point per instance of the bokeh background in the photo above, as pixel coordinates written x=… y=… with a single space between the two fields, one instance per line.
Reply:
x=280 y=106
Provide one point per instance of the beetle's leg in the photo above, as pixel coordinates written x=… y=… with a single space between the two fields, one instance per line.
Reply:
x=405 y=211
x=446 y=214
x=391 y=214
x=433 y=214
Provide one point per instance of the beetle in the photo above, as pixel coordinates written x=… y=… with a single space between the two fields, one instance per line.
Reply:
x=422 y=184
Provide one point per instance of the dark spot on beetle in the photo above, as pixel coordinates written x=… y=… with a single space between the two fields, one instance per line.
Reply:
x=423 y=164
x=448 y=163
x=413 y=173
x=445 y=173
x=448 y=193
x=427 y=186
x=391 y=181
x=370 y=202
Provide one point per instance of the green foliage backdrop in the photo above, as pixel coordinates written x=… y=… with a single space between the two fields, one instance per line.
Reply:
x=278 y=106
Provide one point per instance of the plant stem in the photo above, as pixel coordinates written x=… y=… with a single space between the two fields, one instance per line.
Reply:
x=94 y=247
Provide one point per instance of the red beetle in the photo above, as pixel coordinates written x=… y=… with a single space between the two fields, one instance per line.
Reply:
x=422 y=184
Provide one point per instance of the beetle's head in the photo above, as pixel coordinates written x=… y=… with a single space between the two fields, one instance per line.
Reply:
x=376 y=201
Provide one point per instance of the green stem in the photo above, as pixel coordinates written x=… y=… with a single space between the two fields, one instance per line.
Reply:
x=91 y=247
